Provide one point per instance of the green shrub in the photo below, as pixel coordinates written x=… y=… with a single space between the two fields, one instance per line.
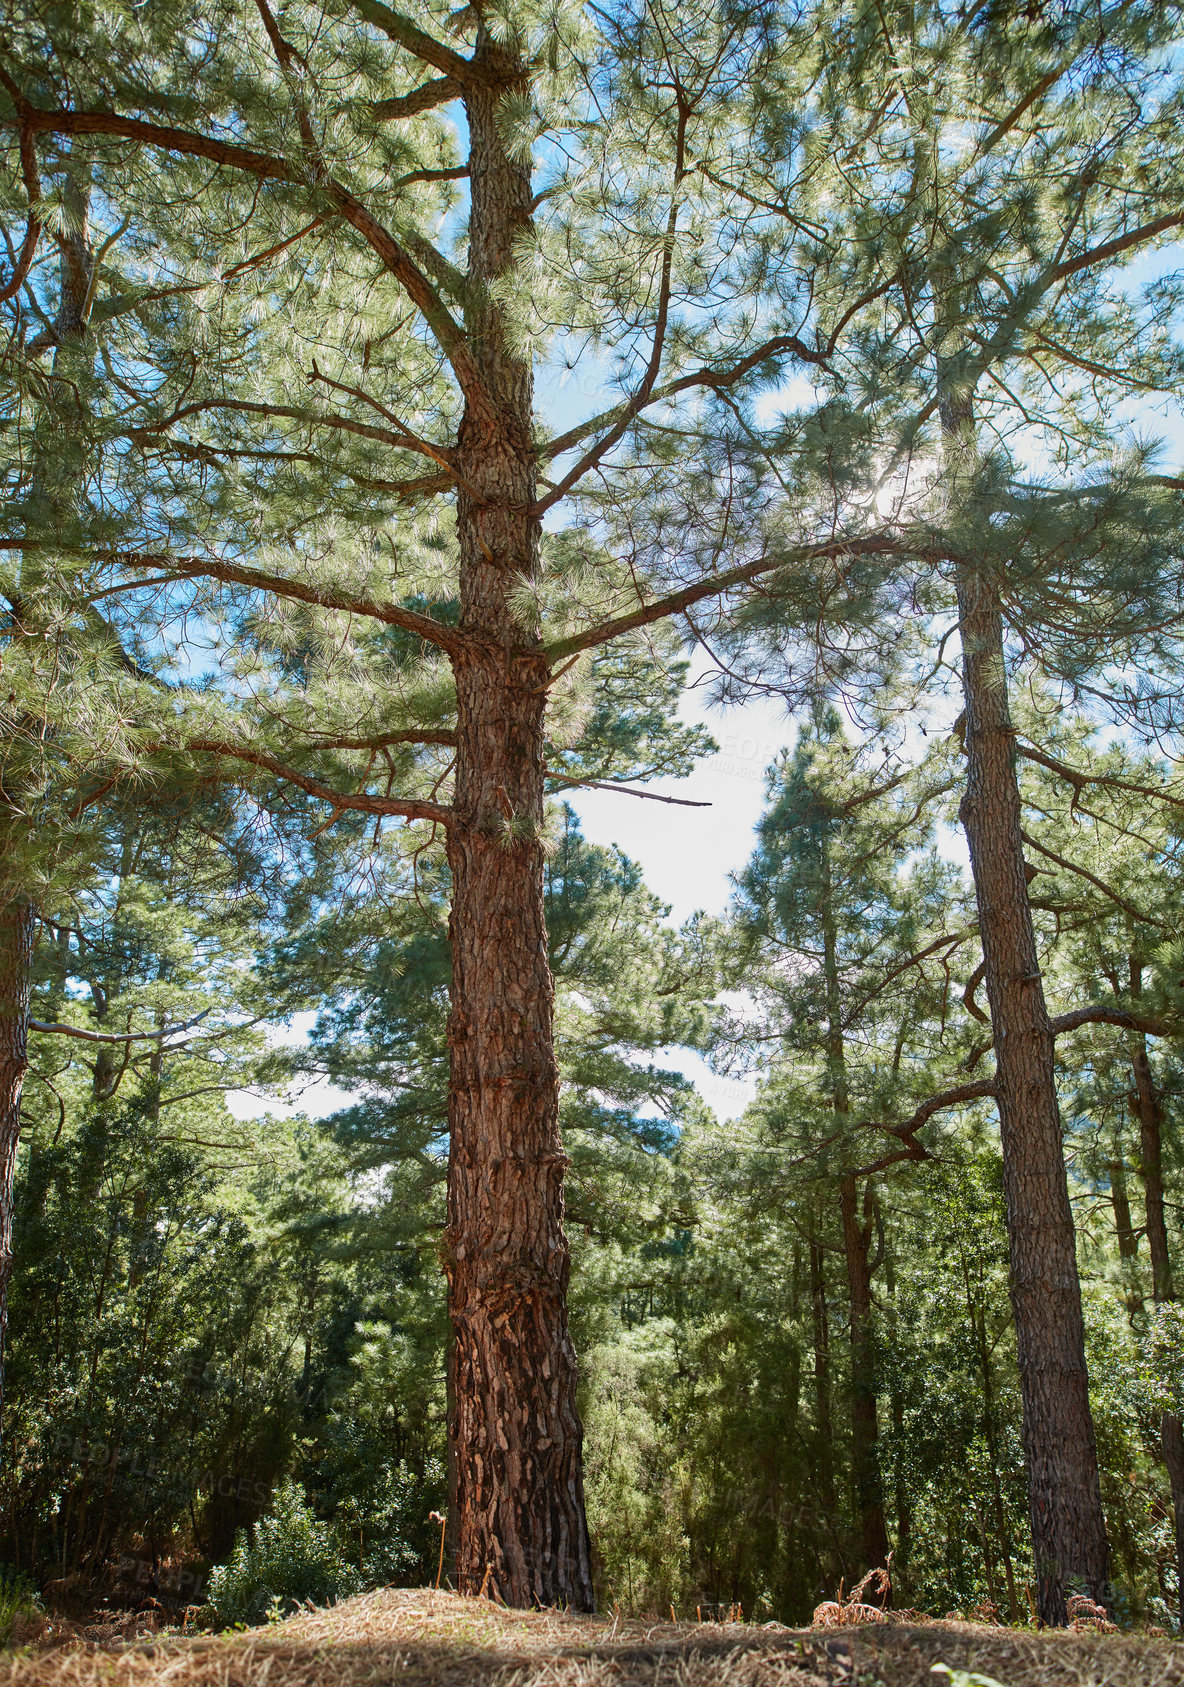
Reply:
x=294 y=1558
x=20 y=1608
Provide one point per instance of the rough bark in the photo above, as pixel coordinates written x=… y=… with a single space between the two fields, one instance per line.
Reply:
x=515 y=1430
x=865 y=1432
x=17 y=927
x=1068 y=1527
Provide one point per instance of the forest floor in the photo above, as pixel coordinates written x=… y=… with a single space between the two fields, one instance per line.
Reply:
x=418 y=1638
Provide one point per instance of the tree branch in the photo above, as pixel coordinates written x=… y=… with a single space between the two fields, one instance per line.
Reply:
x=32 y=226
x=1116 y=247
x=406 y=34
x=628 y=790
x=1092 y=878
x=438 y=91
x=715 y=379
x=361 y=802
x=115 y=1036
x=449 y=639
x=447 y=331
x=972 y=984
x=713 y=586
x=977 y=1090
x=287 y=412
x=1078 y=779
x=1099 y=1013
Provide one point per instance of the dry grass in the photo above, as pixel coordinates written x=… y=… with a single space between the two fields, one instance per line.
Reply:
x=423 y=1639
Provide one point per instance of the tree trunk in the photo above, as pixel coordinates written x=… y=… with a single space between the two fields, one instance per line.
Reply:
x=865 y=1452
x=1148 y=1109
x=17 y=927
x=1124 y=1229
x=978 y=1323
x=1171 y=1435
x=18 y=916
x=515 y=1431
x=865 y=1434
x=826 y=1468
x=1068 y=1526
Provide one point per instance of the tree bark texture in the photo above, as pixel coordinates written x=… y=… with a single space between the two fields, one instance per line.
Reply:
x=1068 y=1526
x=516 y=1438
x=865 y=1430
x=17 y=927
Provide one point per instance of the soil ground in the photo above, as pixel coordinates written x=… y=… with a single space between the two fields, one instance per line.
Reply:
x=417 y=1638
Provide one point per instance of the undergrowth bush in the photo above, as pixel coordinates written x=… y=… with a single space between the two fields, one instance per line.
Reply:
x=294 y=1558
x=20 y=1608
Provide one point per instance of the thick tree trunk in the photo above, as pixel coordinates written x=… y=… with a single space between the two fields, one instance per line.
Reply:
x=865 y=1432
x=1068 y=1527
x=515 y=1431
x=17 y=927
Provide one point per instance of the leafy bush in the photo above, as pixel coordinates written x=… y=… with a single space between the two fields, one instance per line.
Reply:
x=20 y=1608
x=293 y=1558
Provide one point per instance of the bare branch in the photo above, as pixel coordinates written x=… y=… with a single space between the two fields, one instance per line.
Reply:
x=628 y=790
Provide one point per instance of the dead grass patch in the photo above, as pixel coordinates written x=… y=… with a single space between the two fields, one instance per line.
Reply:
x=418 y=1638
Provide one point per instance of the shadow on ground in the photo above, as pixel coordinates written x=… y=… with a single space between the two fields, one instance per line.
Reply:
x=417 y=1638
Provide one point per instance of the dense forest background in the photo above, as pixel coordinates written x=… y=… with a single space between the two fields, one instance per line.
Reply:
x=795 y=1333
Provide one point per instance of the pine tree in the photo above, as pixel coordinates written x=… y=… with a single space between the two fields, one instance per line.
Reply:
x=340 y=147
x=1009 y=325
x=850 y=962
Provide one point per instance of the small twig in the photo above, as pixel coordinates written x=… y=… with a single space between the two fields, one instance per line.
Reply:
x=440 y=1518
